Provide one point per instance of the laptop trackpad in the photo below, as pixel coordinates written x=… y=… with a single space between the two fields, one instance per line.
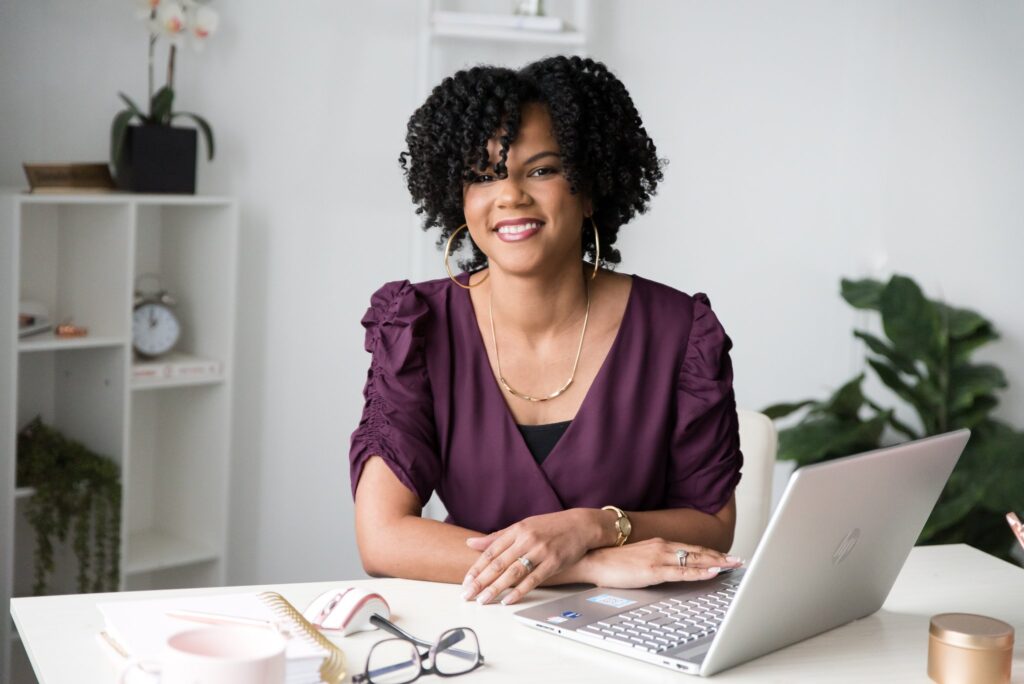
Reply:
x=693 y=654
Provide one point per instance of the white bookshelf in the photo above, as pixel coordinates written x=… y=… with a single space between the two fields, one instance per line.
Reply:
x=80 y=255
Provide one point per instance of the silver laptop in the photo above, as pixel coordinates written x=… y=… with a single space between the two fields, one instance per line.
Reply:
x=830 y=555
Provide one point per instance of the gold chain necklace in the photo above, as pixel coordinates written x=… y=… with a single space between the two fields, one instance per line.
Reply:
x=497 y=359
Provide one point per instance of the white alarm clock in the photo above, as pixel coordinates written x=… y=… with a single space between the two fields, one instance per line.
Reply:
x=155 y=326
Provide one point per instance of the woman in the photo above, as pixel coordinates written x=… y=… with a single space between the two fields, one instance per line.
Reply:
x=570 y=418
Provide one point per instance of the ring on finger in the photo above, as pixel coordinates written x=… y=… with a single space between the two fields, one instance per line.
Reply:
x=681 y=555
x=526 y=564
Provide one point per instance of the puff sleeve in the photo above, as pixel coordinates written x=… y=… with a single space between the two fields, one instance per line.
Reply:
x=398 y=418
x=705 y=463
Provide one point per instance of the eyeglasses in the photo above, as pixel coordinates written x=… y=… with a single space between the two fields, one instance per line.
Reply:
x=400 y=661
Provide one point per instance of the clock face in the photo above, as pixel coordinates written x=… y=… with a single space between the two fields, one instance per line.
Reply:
x=155 y=329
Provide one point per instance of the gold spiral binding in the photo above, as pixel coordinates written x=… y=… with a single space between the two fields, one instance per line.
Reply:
x=332 y=669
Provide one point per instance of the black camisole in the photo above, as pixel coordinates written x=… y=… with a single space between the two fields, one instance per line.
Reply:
x=541 y=439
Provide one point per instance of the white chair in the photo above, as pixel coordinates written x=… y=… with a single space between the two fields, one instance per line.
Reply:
x=759 y=443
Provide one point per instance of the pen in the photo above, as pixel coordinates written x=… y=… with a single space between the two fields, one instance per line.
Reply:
x=215 y=619
x=1016 y=526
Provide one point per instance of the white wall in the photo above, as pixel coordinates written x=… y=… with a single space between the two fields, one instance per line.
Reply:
x=807 y=141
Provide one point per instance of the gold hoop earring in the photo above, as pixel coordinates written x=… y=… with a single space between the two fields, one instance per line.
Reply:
x=597 y=249
x=447 y=251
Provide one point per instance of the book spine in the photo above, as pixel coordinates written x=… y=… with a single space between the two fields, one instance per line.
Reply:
x=193 y=370
x=197 y=369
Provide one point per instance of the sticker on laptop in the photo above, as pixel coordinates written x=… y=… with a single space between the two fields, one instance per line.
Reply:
x=557 y=619
x=613 y=601
x=570 y=614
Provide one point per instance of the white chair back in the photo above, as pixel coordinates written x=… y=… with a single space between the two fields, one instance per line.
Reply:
x=759 y=444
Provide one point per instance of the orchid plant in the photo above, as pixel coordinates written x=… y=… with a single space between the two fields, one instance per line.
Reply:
x=177 y=21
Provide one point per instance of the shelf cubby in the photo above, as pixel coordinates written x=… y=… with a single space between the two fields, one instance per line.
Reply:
x=175 y=503
x=72 y=260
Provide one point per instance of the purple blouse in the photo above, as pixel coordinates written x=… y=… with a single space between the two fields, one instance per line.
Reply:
x=657 y=428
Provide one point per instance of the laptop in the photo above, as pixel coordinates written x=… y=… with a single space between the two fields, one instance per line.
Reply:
x=830 y=555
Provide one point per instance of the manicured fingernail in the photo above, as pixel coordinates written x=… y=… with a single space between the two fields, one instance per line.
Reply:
x=485 y=597
x=714 y=571
x=468 y=594
x=468 y=579
x=507 y=600
x=734 y=559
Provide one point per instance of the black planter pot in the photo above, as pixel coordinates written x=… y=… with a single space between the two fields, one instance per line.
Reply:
x=158 y=159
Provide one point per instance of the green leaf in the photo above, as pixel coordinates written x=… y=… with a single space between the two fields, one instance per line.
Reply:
x=862 y=294
x=828 y=437
x=975 y=413
x=132 y=106
x=997 y=462
x=888 y=375
x=962 y=322
x=118 y=132
x=909 y=319
x=895 y=422
x=967 y=382
x=847 y=400
x=961 y=348
x=781 y=410
x=949 y=511
x=882 y=349
x=204 y=127
x=160 y=107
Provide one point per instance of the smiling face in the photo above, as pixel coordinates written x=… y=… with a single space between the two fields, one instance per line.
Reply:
x=528 y=222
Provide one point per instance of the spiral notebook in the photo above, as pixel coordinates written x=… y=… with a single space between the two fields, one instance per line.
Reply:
x=140 y=629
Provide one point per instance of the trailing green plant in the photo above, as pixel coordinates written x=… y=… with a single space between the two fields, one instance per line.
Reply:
x=174 y=20
x=76 y=491
x=926 y=361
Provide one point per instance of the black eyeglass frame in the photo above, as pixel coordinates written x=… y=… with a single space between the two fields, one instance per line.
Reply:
x=401 y=635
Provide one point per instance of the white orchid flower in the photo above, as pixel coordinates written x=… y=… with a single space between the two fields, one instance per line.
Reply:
x=206 y=21
x=170 y=21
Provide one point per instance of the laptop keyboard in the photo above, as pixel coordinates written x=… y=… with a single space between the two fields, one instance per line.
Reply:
x=667 y=624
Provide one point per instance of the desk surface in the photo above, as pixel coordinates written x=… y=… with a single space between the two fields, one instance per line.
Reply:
x=889 y=646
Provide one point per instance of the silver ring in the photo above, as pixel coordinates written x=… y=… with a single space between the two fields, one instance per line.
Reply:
x=681 y=555
x=526 y=564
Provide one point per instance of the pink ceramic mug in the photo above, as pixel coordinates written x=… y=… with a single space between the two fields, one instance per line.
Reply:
x=218 y=655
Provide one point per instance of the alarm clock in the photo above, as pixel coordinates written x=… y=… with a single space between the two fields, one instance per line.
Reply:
x=155 y=325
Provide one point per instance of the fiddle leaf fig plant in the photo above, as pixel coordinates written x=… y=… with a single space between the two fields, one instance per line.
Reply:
x=925 y=359
x=76 y=491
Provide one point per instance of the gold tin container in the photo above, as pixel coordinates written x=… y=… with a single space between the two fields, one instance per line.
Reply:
x=969 y=649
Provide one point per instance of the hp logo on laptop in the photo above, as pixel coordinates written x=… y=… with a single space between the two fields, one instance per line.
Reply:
x=845 y=546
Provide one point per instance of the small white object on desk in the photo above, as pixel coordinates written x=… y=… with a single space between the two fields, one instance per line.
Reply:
x=346 y=610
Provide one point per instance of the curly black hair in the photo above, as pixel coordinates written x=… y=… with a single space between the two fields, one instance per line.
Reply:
x=604 y=148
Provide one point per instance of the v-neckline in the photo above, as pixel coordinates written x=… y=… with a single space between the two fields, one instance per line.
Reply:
x=495 y=389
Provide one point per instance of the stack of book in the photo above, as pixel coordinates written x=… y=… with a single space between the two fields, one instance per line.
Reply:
x=175 y=367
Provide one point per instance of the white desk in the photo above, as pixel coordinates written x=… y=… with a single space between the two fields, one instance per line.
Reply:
x=889 y=646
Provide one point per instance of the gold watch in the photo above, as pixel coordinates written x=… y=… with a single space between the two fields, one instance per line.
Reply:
x=622 y=524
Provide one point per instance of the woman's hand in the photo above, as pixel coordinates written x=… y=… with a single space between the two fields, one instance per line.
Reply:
x=654 y=561
x=551 y=542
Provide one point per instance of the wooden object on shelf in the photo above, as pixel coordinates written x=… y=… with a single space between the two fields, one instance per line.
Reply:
x=78 y=255
x=69 y=178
